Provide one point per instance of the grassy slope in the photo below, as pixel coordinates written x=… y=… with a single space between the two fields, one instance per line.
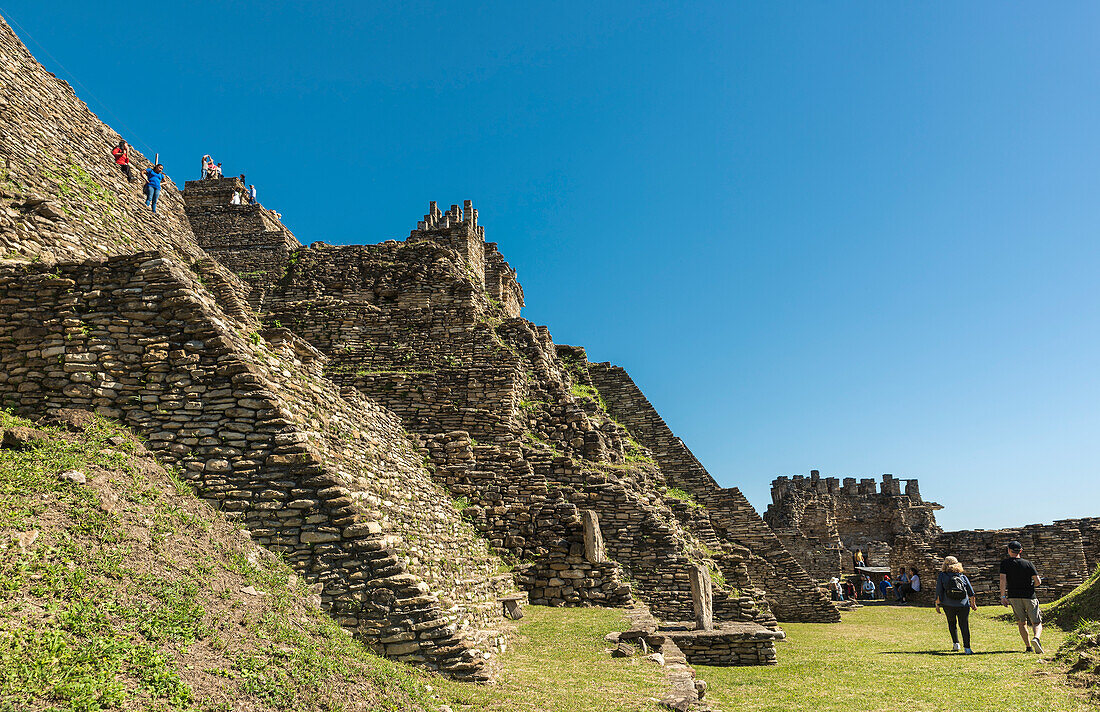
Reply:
x=896 y=658
x=130 y=597
x=1080 y=604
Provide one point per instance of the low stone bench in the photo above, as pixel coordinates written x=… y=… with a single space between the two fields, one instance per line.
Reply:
x=727 y=644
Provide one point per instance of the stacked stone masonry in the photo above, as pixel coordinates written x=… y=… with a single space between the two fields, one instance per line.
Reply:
x=823 y=521
x=109 y=307
x=725 y=519
x=429 y=327
x=326 y=479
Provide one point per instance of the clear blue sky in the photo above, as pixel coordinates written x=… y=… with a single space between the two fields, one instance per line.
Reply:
x=858 y=237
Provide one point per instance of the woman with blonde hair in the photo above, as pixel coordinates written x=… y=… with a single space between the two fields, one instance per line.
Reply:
x=955 y=594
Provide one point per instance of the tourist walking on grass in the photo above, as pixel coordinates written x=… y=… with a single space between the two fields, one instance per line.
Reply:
x=956 y=596
x=1018 y=581
x=121 y=152
x=153 y=178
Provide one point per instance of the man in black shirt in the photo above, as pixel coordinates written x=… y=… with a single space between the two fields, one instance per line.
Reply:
x=1018 y=581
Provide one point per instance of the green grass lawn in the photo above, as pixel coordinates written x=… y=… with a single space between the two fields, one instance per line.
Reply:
x=557 y=663
x=899 y=659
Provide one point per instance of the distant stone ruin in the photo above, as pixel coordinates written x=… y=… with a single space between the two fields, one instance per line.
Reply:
x=823 y=521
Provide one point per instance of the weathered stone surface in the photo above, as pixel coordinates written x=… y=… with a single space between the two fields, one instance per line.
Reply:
x=702 y=597
x=593 y=538
x=75 y=476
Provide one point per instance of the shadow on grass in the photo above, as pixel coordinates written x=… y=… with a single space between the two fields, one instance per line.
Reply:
x=949 y=652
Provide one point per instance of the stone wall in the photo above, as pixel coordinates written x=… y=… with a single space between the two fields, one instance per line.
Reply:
x=326 y=479
x=110 y=307
x=823 y=520
x=1057 y=550
x=791 y=593
x=248 y=239
x=63 y=196
x=1090 y=538
x=726 y=646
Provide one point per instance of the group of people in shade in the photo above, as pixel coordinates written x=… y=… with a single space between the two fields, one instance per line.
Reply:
x=955 y=596
x=906 y=584
x=154 y=177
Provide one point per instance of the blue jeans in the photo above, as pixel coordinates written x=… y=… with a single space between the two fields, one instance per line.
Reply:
x=152 y=195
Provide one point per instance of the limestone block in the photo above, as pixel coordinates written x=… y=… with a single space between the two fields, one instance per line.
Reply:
x=593 y=538
x=702 y=597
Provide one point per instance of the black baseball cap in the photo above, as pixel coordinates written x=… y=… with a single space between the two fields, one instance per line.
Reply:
x=1015 y=545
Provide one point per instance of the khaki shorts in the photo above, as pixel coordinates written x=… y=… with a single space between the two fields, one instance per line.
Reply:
x=1026 y=609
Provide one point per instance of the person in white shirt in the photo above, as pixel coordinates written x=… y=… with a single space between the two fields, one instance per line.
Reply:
x=907 y=587
x=236 y=199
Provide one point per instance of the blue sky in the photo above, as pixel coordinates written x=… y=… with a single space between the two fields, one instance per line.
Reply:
x=857 y=237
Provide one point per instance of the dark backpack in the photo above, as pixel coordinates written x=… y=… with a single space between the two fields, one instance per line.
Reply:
x=955 y=587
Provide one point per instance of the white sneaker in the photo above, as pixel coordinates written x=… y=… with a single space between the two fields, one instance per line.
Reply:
x=1037 y=645
x=955 y=647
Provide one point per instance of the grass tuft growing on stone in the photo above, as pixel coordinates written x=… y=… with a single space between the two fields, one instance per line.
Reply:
x=1080 y=604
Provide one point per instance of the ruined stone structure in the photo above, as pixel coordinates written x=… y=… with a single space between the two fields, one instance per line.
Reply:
x=823 y=521
x=380 y=415
x=745 y=549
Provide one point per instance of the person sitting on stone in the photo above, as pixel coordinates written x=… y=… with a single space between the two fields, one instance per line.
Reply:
x=868 y=588
x=858 y=558
x=885 y=586
x=121 y=152
x=899 y=586
x=218 y=171
x=236 y=199
x=910 y=587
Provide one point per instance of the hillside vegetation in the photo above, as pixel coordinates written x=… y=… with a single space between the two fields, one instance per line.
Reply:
x=119 y=589
x=1080 y=604
x=1079 y=610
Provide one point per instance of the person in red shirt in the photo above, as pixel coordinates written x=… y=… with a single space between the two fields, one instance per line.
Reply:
x=121 y=152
